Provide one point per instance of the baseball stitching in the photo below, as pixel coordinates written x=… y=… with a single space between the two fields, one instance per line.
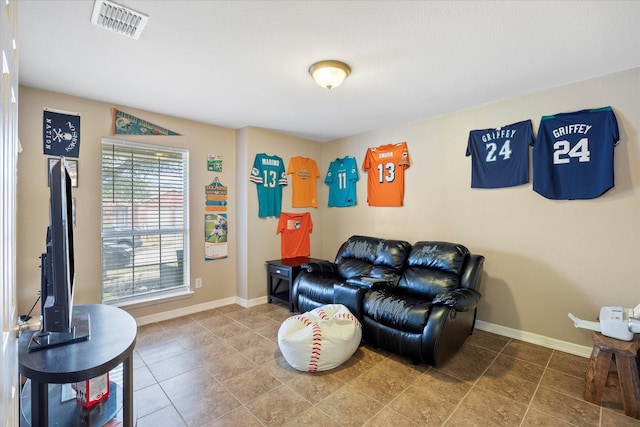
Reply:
x=350 y=317
x=322 y=314
x=316 y=348
x=316 y=332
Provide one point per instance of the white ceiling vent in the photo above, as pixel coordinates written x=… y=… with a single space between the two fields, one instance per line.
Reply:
x=114 y=17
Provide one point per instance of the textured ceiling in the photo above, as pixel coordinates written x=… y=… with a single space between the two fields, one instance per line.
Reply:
x=244 y=63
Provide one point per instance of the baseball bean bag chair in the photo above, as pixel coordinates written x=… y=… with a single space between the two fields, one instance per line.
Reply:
x=320 y=339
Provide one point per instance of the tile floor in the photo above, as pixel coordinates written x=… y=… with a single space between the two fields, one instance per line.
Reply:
x=223 y=367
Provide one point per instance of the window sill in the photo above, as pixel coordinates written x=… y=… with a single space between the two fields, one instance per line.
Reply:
x=157 y=299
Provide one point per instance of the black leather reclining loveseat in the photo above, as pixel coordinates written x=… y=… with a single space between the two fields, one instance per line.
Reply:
x=416 y=300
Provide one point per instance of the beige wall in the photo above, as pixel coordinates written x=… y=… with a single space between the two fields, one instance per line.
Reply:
x=544 y=258
x=261 y=243
x=219 y=277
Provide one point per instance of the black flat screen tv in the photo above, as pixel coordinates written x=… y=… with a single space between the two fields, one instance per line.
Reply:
x=58 y=267
x=59 y=271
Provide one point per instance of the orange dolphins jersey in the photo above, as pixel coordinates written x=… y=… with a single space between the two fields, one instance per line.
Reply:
x=385 y=167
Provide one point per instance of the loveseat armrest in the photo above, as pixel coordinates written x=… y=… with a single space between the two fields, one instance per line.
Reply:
x=322 y=266
x=473 y=272
x=461 y=299
x=351 y=297
x=367 y=282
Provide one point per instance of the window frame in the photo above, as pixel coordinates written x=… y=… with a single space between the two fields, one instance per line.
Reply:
x=143 y=298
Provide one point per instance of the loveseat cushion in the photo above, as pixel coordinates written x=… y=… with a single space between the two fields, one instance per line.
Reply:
x=322 y=266
x=433 y=268
x=317 y=287
x=444 y=256
x=374 y=257
x=396 y=310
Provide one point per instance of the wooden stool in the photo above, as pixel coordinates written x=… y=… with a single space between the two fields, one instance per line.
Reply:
x=626 y=357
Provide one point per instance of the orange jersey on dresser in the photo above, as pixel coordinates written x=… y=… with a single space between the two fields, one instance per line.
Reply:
x=385 y=167
x=304 y=173
x=295 y=229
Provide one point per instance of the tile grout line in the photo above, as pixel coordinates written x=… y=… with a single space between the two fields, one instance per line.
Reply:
x=533 y=395
x=163 y=391
x=476 y=381
x=158 y=383
x=244 y=404
x=382 y=407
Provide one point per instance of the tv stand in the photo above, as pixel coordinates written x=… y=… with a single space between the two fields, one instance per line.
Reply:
x=80 y=331
x=113 y=338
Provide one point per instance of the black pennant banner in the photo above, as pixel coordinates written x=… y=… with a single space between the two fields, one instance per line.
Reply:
x=61 y=133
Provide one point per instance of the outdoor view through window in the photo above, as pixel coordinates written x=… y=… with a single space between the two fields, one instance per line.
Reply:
x=144 y=221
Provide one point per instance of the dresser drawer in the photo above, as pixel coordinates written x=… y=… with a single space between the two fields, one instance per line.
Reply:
x=284 y=272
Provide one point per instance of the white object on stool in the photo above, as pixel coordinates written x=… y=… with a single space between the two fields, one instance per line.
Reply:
x=615 y=322
x=320 y=339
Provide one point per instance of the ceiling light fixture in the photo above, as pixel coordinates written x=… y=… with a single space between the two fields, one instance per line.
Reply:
x=329 y=73
x=122 y=20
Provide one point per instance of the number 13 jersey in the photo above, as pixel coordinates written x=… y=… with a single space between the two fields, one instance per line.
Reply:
x=385 y=167
x=500 y=157
x=269 y=176
x=573 y=154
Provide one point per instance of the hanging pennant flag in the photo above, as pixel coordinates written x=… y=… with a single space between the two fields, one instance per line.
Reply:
x=61 y=133
x=216 y=196
x=127 y=124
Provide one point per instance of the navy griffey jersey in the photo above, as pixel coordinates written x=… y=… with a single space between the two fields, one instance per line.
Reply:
x=500 y=157
x=573 y=154
x=341 y=178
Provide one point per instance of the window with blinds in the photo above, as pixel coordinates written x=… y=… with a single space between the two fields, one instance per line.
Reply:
x=145 y=221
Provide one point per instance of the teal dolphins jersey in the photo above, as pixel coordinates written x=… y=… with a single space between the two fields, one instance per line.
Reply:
x=269 y=175
x=341 y=178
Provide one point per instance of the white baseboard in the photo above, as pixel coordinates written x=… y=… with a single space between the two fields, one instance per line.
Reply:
x=192 y=309
x=567 y=347
x=252 y=302
x=172 y=314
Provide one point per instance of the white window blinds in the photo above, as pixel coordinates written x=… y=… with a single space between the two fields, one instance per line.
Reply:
x=145 y=227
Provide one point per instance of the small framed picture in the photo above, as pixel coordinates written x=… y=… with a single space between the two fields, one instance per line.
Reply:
x=72 y=168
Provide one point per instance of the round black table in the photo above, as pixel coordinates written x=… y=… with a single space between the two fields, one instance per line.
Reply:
x=111 y=342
